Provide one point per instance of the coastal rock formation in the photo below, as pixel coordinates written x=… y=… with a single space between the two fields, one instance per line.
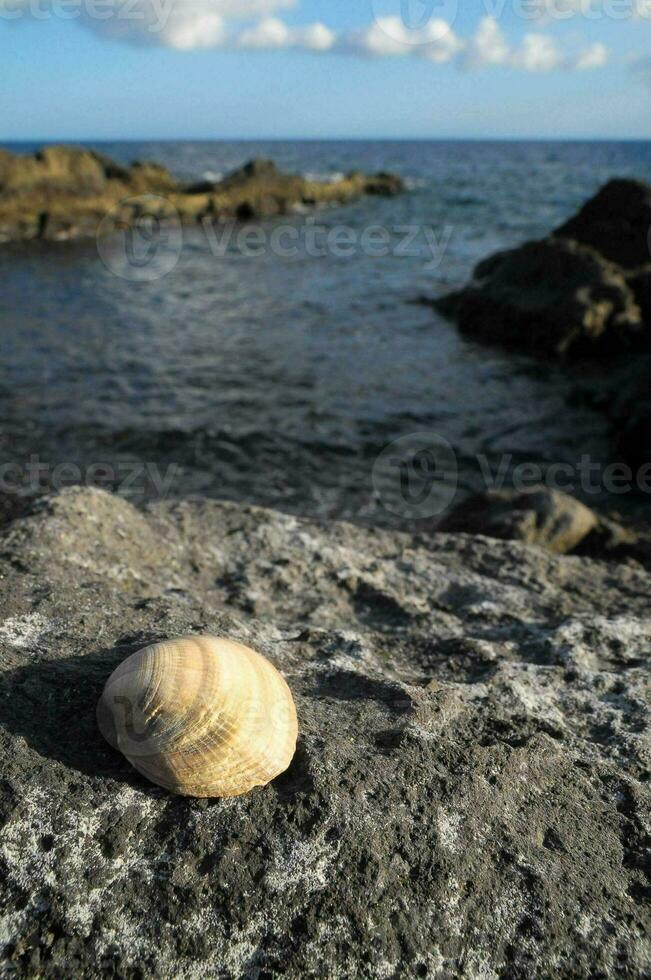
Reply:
x=469 y=795
x=550 y=297
x=630 y=411
x=62 y=193
x=616 y=222
x=585 y=292
x=551 y=520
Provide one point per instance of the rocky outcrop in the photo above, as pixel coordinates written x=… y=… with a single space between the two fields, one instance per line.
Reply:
x=63 y=192
x=470 y=792
x=630 y=412
x=584 y=291
x=616 y=222
x=552 y=297
x=539 y=516
x=552 y=520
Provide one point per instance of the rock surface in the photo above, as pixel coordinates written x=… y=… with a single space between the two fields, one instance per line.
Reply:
x=552 y=297
x=469 y=796
x=62 y=193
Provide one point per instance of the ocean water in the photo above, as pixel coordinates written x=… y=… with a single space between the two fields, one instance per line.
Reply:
x=279 y=379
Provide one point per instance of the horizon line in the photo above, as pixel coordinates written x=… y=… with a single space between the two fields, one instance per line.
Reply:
x=325 y=139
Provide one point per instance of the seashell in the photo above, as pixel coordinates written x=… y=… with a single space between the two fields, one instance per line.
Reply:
x=201 y=716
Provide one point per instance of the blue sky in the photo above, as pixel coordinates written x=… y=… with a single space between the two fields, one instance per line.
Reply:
x=166 y=69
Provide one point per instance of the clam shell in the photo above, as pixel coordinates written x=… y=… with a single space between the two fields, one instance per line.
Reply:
x=201 y=716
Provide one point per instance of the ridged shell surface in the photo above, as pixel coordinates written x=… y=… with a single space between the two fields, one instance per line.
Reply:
x=201 y=716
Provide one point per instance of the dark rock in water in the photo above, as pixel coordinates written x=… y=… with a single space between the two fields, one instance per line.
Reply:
x=384 y=184
x=538 y=516
x=640 y=284
x=112 y=169
x=256 y=169
x=551 y=520
x=202 y=187
x=245 y=211
x=470 y=790
x=616 y=222
x=630 y=411
x=585 y=292
x=550 y=297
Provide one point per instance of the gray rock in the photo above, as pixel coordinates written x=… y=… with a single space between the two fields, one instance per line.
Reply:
x=469 y=794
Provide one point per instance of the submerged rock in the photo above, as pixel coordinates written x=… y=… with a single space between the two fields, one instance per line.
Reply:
x=470 y=789
x=62 y=193
x=549 y=297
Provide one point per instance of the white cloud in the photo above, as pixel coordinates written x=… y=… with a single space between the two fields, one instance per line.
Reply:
x=186 y=31
x=272 y=33
x=537 y=52
x=388 y=37
x=186 y=25
x=590 y=10
x=488 y=46
x=594 y=56
x=267 y=33
x=385 y=37
x=316 y=37
x=180 y=24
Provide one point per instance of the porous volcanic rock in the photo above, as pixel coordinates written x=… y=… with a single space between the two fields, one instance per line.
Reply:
x=552 y=297
x=62 y=193
x=616 y=222
x=469 y=796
